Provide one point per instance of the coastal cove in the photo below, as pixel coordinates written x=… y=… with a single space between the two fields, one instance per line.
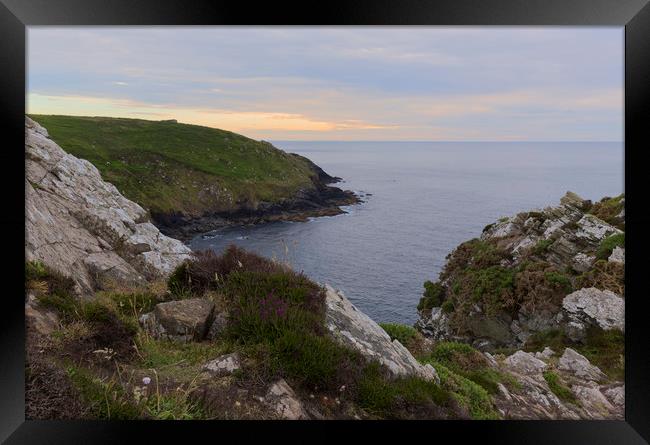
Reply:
x=420 y=200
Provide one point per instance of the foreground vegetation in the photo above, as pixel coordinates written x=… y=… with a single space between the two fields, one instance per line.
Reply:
x=275 y=322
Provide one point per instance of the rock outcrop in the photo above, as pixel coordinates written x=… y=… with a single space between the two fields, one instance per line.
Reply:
x=82 y=226
x=540 y=261
x=592 y=307
x=284 y=401
x=353 y=328
x=224 y=365
x=179 y=320
x=535 y=398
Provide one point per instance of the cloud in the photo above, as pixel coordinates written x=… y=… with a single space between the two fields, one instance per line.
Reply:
x=340 y=83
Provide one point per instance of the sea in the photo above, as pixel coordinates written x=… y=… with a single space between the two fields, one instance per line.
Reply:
x=421 y=199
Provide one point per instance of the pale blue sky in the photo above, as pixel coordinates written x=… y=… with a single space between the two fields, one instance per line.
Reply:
x=340 y=83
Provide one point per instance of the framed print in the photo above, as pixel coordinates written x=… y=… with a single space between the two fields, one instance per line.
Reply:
x=363 y=217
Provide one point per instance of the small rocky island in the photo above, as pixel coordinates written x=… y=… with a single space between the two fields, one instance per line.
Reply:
x=124 y=322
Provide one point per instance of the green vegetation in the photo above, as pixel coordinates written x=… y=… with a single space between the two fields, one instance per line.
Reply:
x=605 y=349
x=559 y=388
x=608 y=210
x=467 y=394
x=277 y=320
x=479 y=273
x=432 y=297
x=542 y=246
x=401 y=332
x=383 y=397
x=608 y=244
x=462 y=359
x=170 y=167
x=109 y=400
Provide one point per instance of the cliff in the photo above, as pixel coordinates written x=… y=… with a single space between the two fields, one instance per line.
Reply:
x=542 y=295
x=81 y=226
x=194 y=179
x=230 y=336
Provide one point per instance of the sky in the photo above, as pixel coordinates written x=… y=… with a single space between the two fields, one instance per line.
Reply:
x=340 y=83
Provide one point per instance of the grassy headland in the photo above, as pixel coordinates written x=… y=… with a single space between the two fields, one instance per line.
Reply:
x=181 y=172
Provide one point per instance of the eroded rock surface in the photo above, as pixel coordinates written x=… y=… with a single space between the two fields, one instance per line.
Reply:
x=533 y=397
x=592 y=307
x=353 y=328
x=82 y=226
x=283 y=400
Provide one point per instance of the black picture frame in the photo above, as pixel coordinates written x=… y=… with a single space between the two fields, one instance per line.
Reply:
x=634 y=15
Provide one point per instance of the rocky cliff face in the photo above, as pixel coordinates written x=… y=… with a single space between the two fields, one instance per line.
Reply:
x=556 y=268
x=82 y=226
x=533 y=292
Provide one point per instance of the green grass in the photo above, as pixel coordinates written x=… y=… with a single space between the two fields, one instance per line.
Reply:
x=468 y=394
x=106 y=399
x=559 y=388
x=401 y=332
x=384 y=397
x=469 y=363
x=171 y=167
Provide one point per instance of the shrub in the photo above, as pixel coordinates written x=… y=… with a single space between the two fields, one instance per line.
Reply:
x=403 y=333
x=604 y=275
x=313 y=361
x=468 y=362
x=608 y=210
x=542 y=246
x=206 y=270
x=432 y=297
x=447 y=307
x=540 y=286
x=608 y=244
x=559 y=388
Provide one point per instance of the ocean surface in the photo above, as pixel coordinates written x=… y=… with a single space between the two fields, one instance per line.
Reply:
x=425 y=199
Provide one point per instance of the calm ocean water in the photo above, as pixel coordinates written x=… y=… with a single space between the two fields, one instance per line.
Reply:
x=427 y=197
